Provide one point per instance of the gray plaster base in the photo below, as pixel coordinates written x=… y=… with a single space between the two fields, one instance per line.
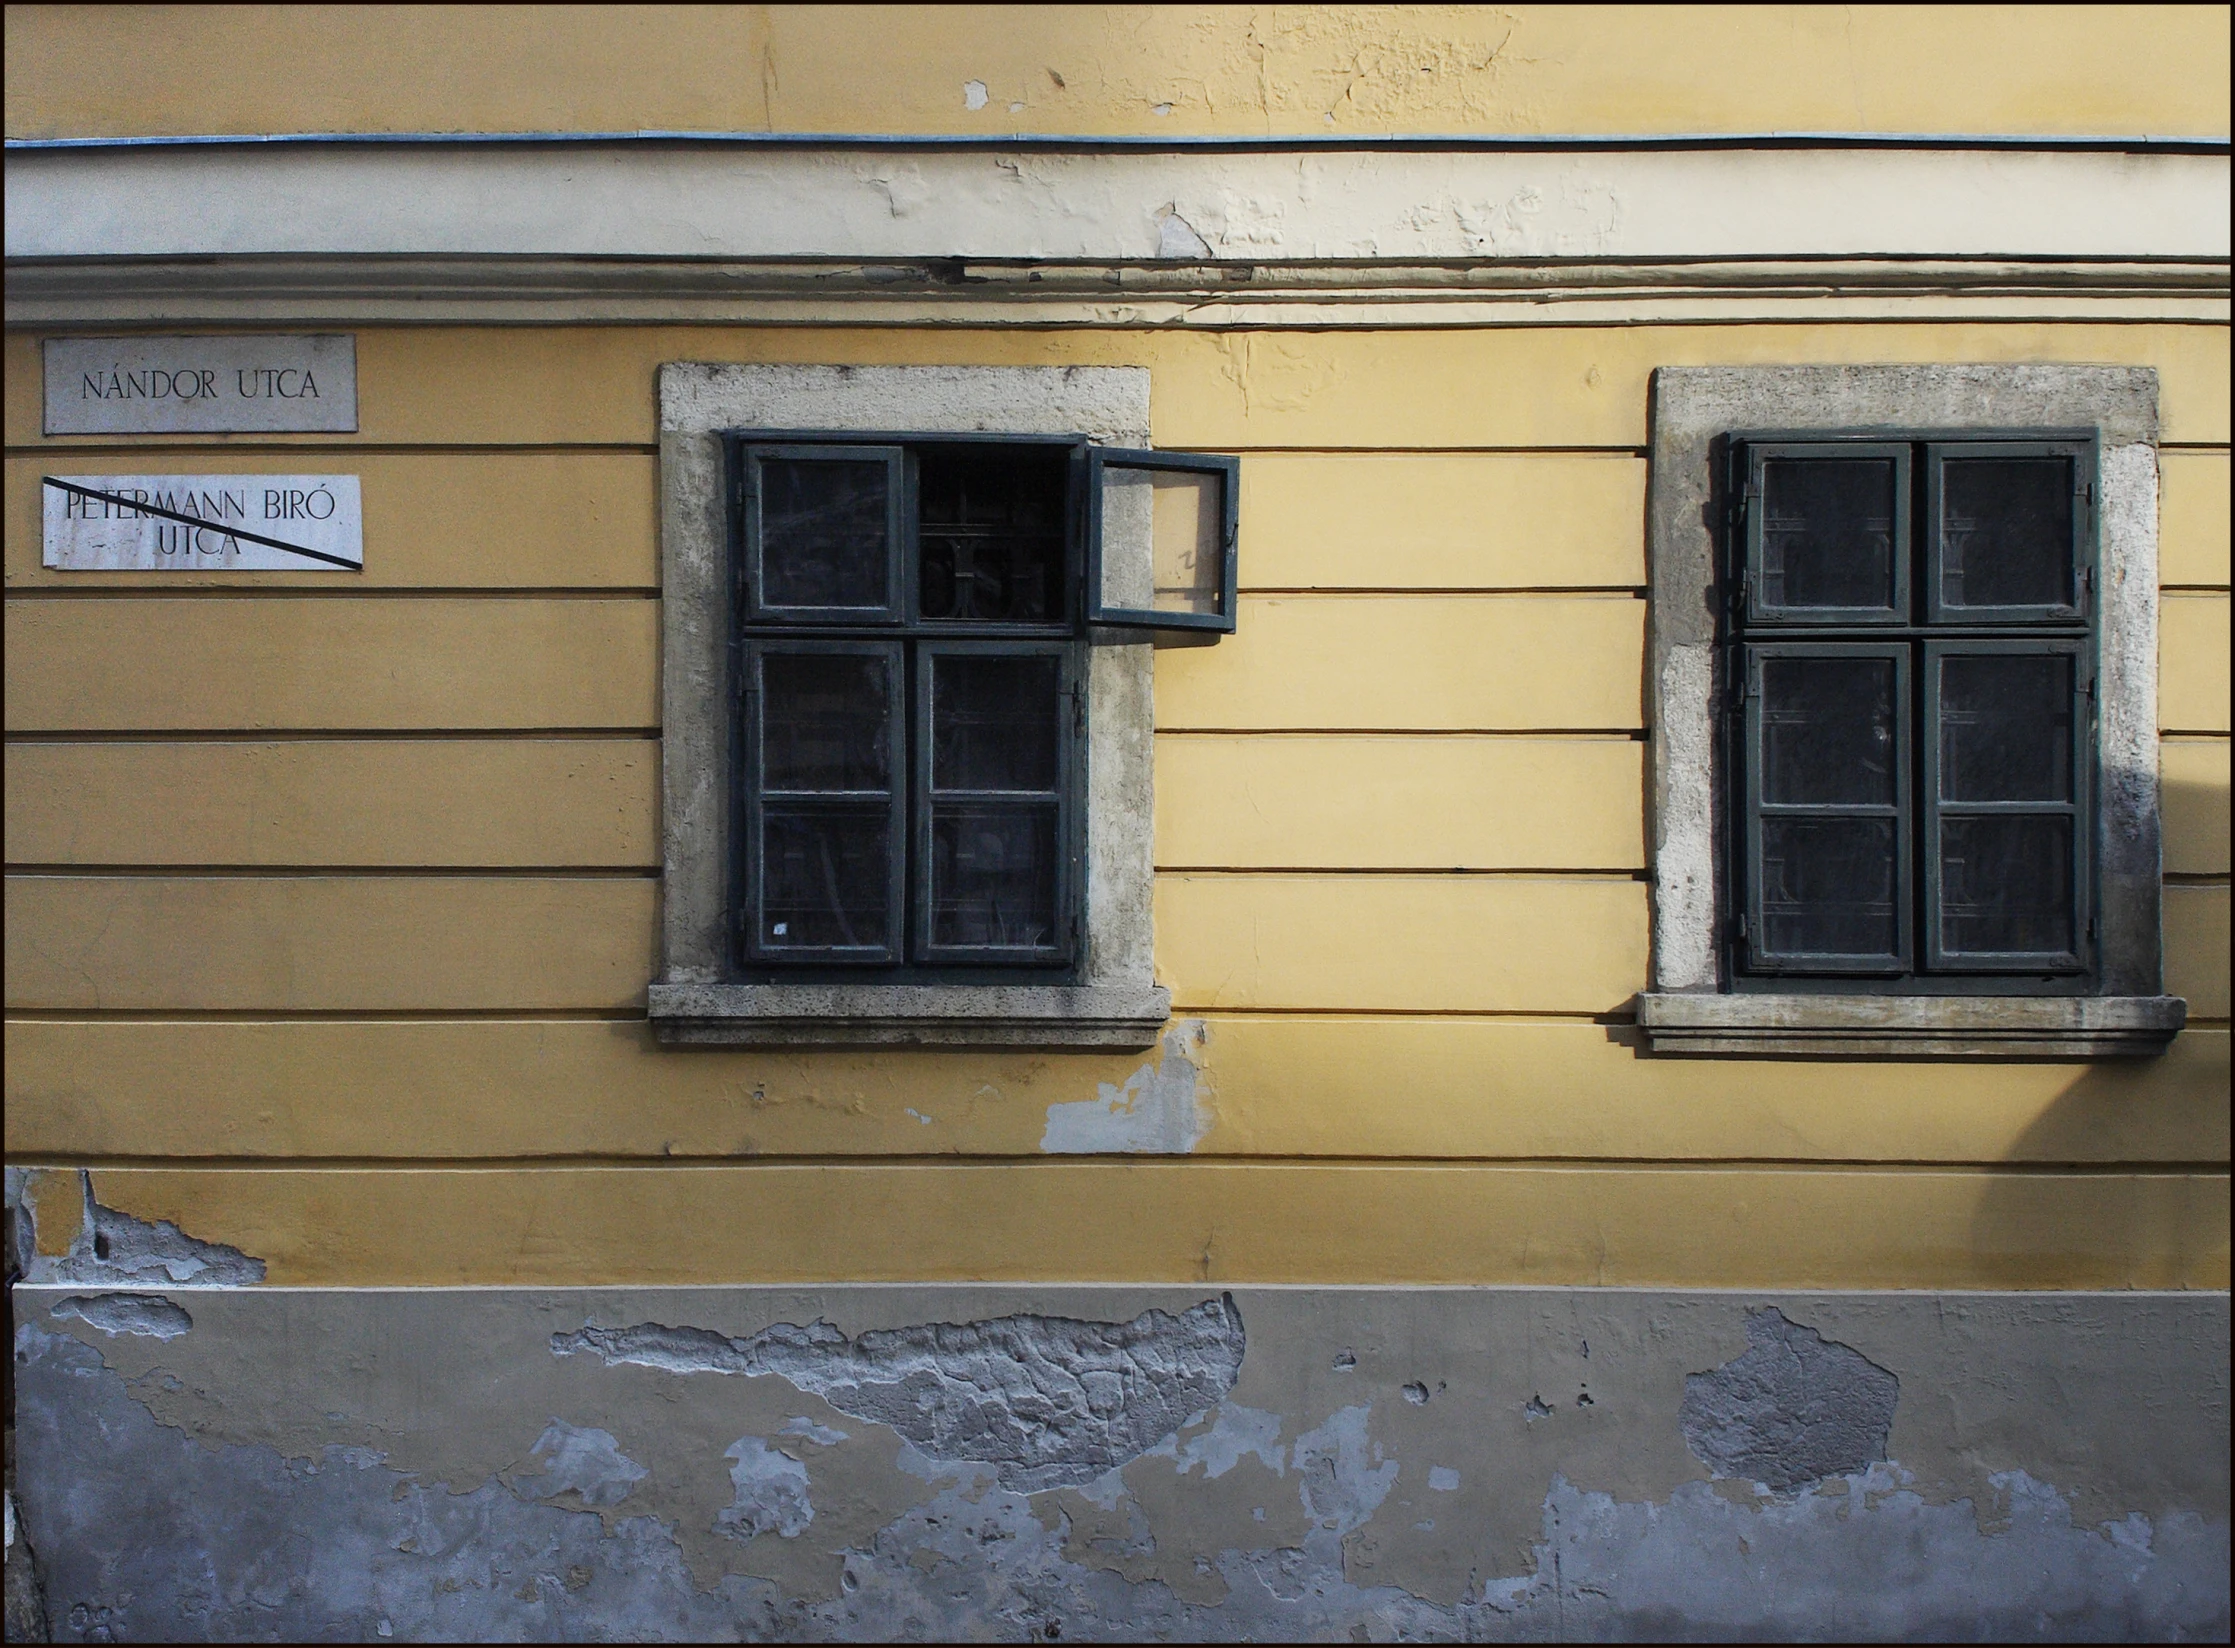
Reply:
x=1020 y=1463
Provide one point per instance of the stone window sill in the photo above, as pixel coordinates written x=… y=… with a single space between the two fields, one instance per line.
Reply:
x=1979 y=1027
x=908 y=1015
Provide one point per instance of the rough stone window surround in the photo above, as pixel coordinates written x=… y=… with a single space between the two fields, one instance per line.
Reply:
x=1116 y=1001
x=1689 y=1007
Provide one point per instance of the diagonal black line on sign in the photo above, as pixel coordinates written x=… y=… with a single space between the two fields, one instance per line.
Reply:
x=198 y=520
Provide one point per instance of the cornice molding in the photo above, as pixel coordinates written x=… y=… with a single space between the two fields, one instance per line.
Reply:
x=484 y=289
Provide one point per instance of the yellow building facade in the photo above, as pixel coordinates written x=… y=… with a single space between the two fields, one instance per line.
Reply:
x=1408 y=1273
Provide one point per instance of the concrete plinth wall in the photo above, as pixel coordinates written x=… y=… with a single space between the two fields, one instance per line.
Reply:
x=1027 y=1463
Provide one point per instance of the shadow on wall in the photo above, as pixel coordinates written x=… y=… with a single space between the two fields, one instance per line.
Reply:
x=2060 y=1217
x=2156 y=1223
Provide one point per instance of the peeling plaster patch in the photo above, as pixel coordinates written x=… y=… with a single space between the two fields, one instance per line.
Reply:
x=973 y=94
x=771 y=1493
x=140 y=1313
x=1345 y=1477
x=1046 y=1400
x=115 y=1247
x=1235 y=1431
x=1443 y=1479
x=1794 y=1408
x=821 y=1435
x=587 y=1463
x=1176 y=237
x=1159 y=1111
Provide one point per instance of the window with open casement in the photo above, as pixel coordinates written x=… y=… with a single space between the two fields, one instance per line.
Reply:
x=912 y=617
x=1912 y=662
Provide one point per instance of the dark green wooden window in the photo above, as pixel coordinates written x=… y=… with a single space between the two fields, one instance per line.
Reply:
x=910 y=619
x=1912 y=657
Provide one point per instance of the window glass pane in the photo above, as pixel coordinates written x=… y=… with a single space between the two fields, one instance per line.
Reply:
x=1181 y=515
x=1828 y=886
x=823 y=526
x=825 y=877
x=1828 y=731
x=826 y=721
x=2006 y=884
x=993 y=874
x=994 y=723
x=993 y=535
x=2006 y=532
x=2006 y=729
x=1828 y=532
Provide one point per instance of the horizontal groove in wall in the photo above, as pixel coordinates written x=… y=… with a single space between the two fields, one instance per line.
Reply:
x=1623 y=1021
x=94 y=446
x=1331 y=871
x=1954 y=312
x=301 y=592
x=263 y=735
x=947 y=1162
x=1637 y=592
x=322 y=1015
x=1629 y=734
x=247 y=872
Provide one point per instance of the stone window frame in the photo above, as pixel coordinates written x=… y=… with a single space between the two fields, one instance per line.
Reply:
x=1115 y=1001
x=1689 y=1005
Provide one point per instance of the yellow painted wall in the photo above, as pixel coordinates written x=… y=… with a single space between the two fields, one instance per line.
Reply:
x=330 y=910
x=1169 y=70
x=330 y=907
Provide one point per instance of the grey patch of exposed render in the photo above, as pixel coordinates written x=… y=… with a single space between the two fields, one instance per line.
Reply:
x=1046 y=1400
x=140 y=1313
x=821 y=1435
x=344 y=1548
x=1344 y=1476
x=334 y=1548
x=771 y=1489
x=1794 y=1408
x=1158 y=1111
x=583 y=1461
x=1235 y=1431
x=113 y=1247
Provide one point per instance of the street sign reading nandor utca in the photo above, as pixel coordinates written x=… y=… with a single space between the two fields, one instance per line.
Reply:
x=203 y=523
x=202 y=385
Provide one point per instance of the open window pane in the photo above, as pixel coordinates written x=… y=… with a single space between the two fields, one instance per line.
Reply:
x=2006 y=885
x=1830 y=533
x=823 y=530
x=993 y=534
x=993 y=876
x=1828 y=732
x=827 y=721
x=2006 y=727
x=2006 y=533
x=995 y=722
x=1828 y=887
x=1161 y=551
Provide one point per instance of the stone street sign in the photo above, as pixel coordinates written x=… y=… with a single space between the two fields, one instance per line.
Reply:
x=201 y=386
x=203 y=523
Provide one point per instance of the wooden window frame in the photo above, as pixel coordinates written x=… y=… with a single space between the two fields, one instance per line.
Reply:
x=1925 y=967
x=1693 y=1000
